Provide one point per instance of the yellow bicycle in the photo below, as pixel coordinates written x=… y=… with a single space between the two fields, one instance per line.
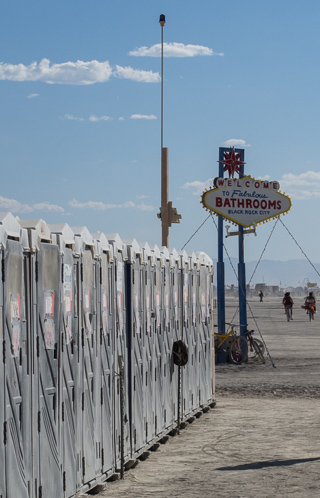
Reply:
x=236 y=345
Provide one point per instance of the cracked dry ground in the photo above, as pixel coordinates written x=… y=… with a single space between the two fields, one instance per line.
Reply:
x=262 y=438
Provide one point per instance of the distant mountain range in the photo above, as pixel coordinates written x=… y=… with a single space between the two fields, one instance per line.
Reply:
x=292 y=273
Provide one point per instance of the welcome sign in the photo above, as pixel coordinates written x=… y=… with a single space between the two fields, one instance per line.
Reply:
x=246 y=201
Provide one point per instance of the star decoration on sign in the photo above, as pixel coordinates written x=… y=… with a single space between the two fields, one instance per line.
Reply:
x=232 y=162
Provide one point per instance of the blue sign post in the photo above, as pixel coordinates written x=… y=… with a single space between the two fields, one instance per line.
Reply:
x=220 y=272
x=242 y=288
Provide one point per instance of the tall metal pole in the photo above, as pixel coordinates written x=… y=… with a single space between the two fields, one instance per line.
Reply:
x=164 y=159
x=162 y=22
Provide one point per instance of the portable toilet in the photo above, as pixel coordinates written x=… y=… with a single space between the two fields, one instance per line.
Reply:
x=193 y=364
x=90 y=456
x=44 y=282
x=206 y=343
x=158 y=331
x=71 y=376
x=106 y=326
x=149 y=336
x=187 y=374
x=169 y=387
x=122 y=427
x=135 y=266
x=17 y=472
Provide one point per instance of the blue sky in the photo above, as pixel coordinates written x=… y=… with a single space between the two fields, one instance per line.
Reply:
x=80 y=113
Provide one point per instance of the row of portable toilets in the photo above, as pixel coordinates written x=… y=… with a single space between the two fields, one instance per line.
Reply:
x=88 y=381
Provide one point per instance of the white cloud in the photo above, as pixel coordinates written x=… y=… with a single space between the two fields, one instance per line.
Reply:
x=94 y=118
x=310 y=179
x=143 y=116
x=173 y=50
x=145 y=207
x=72 y=118
x=129 y=73
x=303 y=195
x=16 y=207
x=32 y=95
x=198 y=186
x=45 y=206
x=233 y=142
x=73 y=73
x=301 y=187
x=101 y=206
x=70 y=73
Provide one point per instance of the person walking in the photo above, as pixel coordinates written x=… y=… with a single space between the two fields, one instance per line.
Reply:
x=287 y=302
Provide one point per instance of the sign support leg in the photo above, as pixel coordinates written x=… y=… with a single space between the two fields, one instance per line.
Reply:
x=242 y=285
x=242 y=272
x=221 y=274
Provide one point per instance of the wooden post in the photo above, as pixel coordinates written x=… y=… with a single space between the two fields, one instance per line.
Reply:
x=164 y=196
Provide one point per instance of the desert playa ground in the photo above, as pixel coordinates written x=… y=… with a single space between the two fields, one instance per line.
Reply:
x=263 y=437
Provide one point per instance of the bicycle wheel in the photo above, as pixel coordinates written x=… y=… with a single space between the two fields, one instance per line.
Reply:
x=310 y=314
x=258 y=350
x=239 y=349
x=260 y=344
x=252 y=349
